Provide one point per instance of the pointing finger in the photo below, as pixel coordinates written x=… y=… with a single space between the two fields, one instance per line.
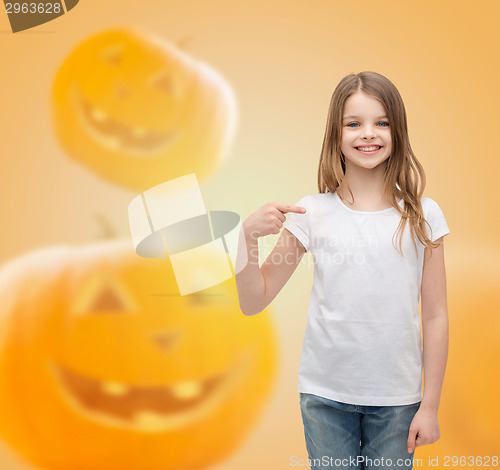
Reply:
x=287 y=208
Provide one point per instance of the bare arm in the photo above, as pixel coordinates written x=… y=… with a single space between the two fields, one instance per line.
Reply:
x=425 y=428
x=257 y=287
x=435 y=326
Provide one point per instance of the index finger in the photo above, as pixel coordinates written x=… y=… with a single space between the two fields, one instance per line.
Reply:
x=287 y=208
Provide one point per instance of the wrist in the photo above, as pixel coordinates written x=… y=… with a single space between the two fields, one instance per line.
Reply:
x=250 y=234
x=428 y=407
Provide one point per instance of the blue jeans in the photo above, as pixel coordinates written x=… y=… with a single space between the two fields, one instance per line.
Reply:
x=356 y=437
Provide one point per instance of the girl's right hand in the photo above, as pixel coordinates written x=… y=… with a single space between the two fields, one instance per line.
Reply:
x=268 y=219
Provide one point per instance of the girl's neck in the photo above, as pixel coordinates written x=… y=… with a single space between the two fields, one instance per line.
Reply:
x=363 y=188
x=368 y=194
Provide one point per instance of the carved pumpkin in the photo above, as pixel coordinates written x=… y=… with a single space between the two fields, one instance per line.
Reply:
x=468 y=410
x=103 y=365
x=138 y=111
x=469 y=406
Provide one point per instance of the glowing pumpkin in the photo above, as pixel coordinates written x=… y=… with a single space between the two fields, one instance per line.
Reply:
x=138 y=111
x=470 y=392
x=103 y=365
x=469 y=410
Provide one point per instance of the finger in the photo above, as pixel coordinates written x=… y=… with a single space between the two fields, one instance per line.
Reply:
x=279 y=215
x=276 y=229
x=420 y=441
x=411 y=440
x=298 y=209
x=284 y=208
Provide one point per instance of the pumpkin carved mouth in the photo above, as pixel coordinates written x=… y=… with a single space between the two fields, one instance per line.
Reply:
x=148 y=408
x=119 y=136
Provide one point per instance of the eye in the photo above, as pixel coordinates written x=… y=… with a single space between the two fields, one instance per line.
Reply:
x=386 y=124
x=103 y=294
x=113 y=55
x=162 y=81
x=208 y=300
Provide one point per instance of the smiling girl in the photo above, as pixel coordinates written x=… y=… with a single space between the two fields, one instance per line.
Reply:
x=378 y=249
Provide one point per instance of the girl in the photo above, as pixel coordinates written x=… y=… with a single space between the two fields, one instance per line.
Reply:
x=360 y=371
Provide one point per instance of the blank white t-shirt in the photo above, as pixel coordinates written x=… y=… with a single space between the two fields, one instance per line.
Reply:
x=362 y=343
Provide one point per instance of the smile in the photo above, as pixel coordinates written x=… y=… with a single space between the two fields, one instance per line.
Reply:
x=369 y=150
x=118 y=136
x=146 y=408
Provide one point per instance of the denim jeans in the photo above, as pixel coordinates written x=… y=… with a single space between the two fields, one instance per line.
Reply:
x=356 y=437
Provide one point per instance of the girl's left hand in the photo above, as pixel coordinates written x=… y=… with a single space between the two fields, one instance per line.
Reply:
x=424 y=429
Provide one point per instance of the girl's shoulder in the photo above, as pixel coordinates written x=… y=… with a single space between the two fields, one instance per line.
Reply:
x=316 y=200
x=317 y=197
x=430 y=207
x=428 y=202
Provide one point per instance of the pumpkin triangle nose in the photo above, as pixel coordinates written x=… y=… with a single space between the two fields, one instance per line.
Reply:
x=166 y=339
x=121 y=90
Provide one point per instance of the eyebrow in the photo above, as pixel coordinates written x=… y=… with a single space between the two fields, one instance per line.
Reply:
x=355 y=117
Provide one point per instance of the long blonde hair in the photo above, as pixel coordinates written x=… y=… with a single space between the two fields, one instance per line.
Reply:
x=403 y=170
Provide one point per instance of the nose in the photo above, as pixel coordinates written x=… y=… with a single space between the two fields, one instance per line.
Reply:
x=121 y=90
x=369 y=132
x=166 y=339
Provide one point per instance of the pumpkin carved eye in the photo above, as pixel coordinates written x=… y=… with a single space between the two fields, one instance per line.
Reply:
x=113 y=55
x=163 y=82
x=107 y=301
x=103 y=295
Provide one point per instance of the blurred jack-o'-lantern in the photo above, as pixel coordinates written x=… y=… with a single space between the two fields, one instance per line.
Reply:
x=469 y=406
x=103 y=365
x=138 y=111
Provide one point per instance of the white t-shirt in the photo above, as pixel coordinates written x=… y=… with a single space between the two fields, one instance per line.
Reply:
x=362 y=343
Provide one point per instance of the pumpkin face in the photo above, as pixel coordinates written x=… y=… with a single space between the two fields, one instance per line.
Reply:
x=103 y=365
x=138 y=111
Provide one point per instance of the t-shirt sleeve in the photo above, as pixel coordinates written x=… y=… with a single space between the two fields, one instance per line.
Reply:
x=299 y=224
x=436 y=220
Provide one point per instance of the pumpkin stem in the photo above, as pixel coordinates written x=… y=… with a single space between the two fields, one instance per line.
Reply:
x=181 y=43
x=107 y=229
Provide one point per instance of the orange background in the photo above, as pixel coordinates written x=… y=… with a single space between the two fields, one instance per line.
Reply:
x=283 y=60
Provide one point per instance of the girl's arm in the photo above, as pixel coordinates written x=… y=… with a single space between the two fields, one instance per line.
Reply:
x=435 y=326
x=257 y=287
x=434 y=311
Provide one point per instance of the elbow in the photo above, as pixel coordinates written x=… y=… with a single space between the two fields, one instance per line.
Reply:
x=251 y=303
x=248 y=311
x=249 y=314
x=435 y=314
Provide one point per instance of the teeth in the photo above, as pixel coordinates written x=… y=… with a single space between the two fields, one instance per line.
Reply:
x=186 y=390
x=368 y=149
x=114 y=388
x=138 y=131
x=148 y=420
x=112 y=142
x=99 y=115
x=182 y=390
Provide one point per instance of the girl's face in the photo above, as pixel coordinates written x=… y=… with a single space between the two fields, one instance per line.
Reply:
x=365 y=124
